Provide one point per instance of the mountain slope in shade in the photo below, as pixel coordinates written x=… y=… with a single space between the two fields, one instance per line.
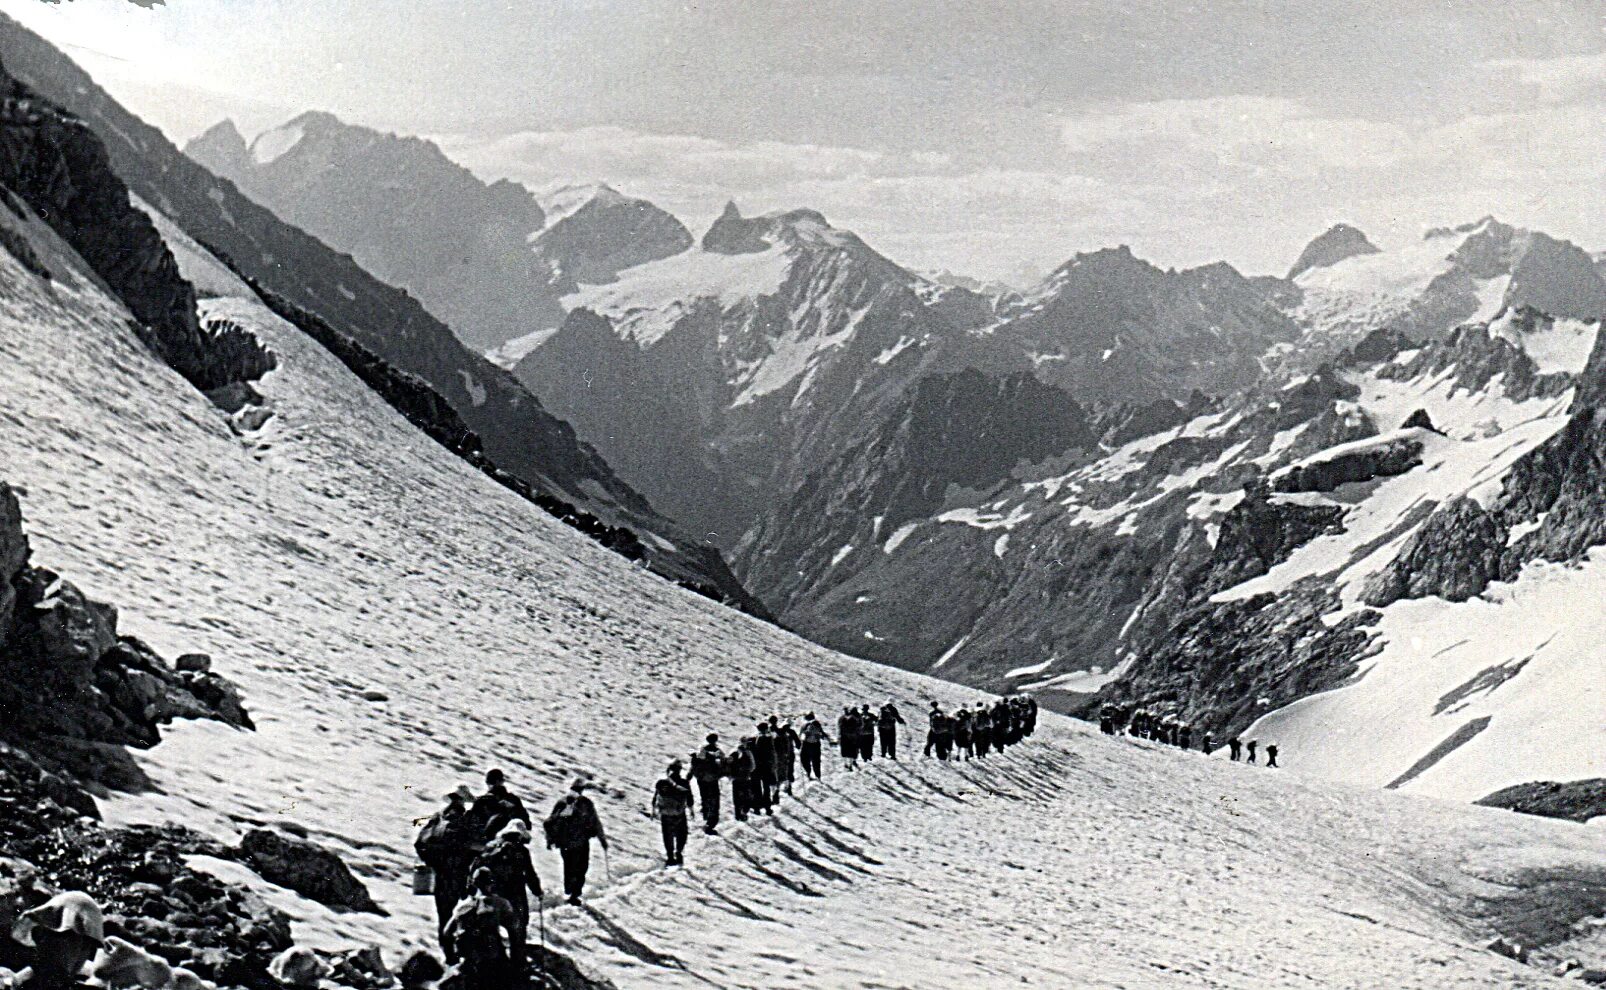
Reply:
x=337 y=554
x=1335 y=244
x=1110 y=327
x=518 y=435
x=406 y=213
x=606 y=233
x=770 y=339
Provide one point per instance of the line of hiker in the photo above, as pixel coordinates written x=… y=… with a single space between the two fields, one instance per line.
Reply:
x=477 y=854
x=1140 y=723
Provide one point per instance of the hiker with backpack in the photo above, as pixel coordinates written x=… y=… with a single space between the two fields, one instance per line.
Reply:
x=1271 y=755
x=474 y=936
x=813 y=738
x=888 y=724
x=787 y=743
x=672 y=805
x=447 y=845
x=743 y=770
x=707 y=766
x=847 y=735
x=1249 y=750
x=866 y=733
x=570 y=829
x=764 y=757
x=1234 y=748
x=981 y=730
x=497 y=806
x=965 y=746
x=507 y=859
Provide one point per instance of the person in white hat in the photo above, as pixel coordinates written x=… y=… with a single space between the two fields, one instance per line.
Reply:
x=65 y=933
x=507 y=859
x=447 y=845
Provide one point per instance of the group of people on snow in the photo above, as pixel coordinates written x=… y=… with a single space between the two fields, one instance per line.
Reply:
x=476 y=848
x=477 y=851
x=1115 y=719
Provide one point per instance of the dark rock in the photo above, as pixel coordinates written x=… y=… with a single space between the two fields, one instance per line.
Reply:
x=421 y=969
x=608 y=234
x=1420 y=420
x=1257 y=535
x=1454 y=555
x=306 y=868
x=1365 y=462
x=193 y=663
x=1375 y=348
x=1573 y=800
x=1337 y=243
x=732 y=233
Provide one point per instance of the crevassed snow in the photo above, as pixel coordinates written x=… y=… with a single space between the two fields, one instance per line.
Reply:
x=1553 y=345
x=1454 y=410
x=1524 y=654
x=646 y=301
x=272 y=145
x=342 y=550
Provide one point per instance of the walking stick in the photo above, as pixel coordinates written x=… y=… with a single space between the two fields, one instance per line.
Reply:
x=540 y=915
x=607 y=867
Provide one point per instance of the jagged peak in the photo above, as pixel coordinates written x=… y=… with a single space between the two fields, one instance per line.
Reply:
x=225 y=130
x=1337 y=243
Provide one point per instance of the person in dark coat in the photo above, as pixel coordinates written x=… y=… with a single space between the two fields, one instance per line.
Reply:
x=1208 y=744
x=1001 y=718
x=1234 y=748
x=742 y=767
x=965 y=747
x=570 y=829
x=1185 y=736
x=672 y=805
x=981 y=730
x=1031 y=714
x=866 y=725
x=707 y=766
x=447 y=845
x=888 y=725
x=474 y=933
x=764 y=755
x=1249 y=750
x=847 y=736
x=787 y=743
x=813 y=738
x=497 y=806
x=1271 y=755
x=507 y=859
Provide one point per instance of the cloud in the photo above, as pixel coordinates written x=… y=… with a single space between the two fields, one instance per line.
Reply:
x=1569 y=79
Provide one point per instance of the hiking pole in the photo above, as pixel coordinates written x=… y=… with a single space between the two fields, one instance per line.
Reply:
x=540 y=916
x=607 y=867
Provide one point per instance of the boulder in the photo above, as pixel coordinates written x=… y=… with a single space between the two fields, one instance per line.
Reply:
x=193 y=663
x=306 y=868
x=1454 y=555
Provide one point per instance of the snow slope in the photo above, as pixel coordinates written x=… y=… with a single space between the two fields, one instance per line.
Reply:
x=338 y=552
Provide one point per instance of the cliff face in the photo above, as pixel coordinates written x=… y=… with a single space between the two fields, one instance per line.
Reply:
x=55 y=167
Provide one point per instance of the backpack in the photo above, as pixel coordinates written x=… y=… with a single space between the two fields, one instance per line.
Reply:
x=565 y=826
x=705 y=765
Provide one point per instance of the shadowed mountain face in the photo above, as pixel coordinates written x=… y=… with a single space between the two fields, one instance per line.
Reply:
x=406 y=213
x=1337 y=243
x=517 y=434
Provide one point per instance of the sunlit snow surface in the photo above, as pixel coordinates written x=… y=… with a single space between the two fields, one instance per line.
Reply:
x=340 y=552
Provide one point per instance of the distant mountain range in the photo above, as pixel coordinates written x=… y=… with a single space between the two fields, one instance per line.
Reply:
x=1248 y=500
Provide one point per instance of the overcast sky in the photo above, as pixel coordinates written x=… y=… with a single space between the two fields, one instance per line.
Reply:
x=989 y=137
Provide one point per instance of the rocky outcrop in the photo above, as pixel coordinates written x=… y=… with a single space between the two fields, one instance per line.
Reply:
x=1257 y=534
x=1364 y=460
x=59 y=168
x=1338 y=242
x=308 y=869
x=731 y=233
x=66 y=676
x=1573 y=800
x=1453 y=555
